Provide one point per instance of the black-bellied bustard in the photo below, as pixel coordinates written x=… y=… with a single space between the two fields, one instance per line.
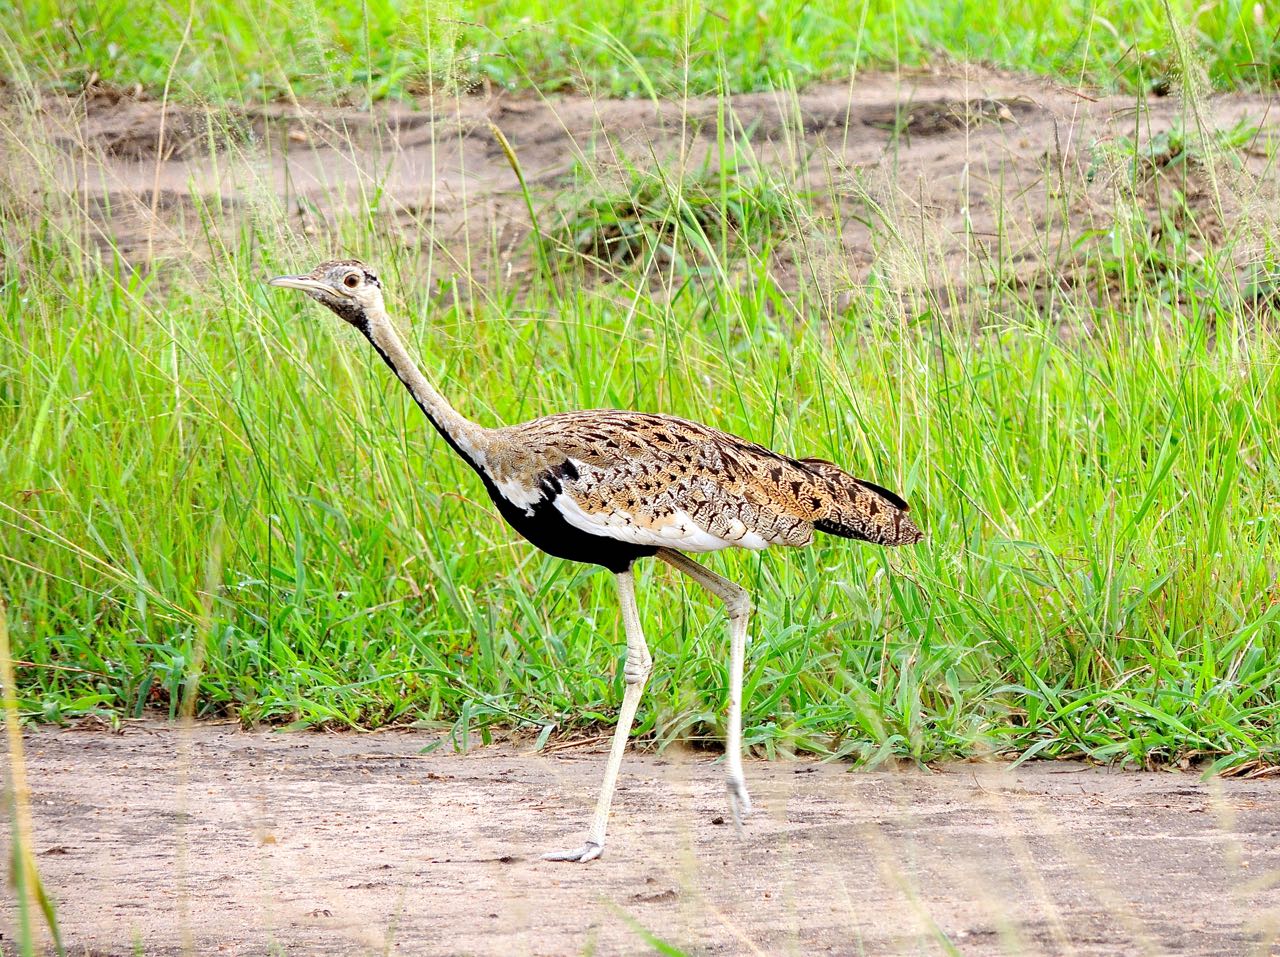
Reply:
x=609 y=487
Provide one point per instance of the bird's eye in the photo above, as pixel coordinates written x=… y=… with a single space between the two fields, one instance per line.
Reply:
x=351 y=281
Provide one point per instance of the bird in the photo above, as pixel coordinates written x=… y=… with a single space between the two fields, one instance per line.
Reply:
x=611 y=487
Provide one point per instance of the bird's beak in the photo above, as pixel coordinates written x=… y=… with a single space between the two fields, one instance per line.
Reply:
x=305 y=283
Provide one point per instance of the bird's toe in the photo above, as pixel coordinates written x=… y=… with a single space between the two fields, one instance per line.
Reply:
x=588 y=852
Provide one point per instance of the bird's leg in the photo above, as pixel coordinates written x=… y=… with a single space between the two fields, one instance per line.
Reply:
x=737 y=604
x=635 y=673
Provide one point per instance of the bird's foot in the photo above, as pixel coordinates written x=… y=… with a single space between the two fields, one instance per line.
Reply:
x=587 y=852
x=739 y=800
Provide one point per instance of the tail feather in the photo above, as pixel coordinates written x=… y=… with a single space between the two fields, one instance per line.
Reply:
x=862 y=510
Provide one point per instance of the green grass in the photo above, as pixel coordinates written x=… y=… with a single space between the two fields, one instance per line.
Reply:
x=634 y=214
x=251 y=50
x=1099 y=577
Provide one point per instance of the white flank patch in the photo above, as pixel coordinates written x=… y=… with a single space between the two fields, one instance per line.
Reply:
x=752 y=541
x=678 y=531
x=519 y=494
x=738 y=535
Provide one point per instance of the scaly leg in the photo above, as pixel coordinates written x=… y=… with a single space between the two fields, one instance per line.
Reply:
x=635 y=674
x=737 y=604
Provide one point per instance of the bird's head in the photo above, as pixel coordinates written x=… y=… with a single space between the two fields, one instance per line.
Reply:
x=347 y=286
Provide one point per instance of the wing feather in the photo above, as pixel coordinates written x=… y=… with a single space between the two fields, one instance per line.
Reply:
x=660 y=481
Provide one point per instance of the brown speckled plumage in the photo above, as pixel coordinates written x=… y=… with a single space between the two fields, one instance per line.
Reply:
x=644 y=474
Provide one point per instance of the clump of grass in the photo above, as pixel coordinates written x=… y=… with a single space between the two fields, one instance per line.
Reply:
x=1162 y=224
x=652 y=215
x=1171 y=150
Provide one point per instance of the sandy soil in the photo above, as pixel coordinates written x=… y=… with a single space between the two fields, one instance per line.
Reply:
x=255 y=843
x=987 y=179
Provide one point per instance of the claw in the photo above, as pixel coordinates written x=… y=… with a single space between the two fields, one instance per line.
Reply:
x=587 y=852
x=739 y=801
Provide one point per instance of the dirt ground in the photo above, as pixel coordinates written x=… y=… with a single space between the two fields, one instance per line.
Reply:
x=229 y=842
x=961 y=179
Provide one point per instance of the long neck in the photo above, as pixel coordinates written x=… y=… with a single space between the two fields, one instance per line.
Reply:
x=465 y=437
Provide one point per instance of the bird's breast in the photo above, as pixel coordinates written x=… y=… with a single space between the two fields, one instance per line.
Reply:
x=534 y=509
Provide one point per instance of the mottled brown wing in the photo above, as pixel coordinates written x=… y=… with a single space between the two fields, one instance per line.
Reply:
x=856 y=508
x=658 y=480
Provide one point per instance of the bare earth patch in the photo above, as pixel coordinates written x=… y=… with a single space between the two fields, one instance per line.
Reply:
x=254 y=843
x=968 y=179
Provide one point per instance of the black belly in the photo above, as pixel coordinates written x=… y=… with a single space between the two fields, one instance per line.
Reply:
x=547 y=529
